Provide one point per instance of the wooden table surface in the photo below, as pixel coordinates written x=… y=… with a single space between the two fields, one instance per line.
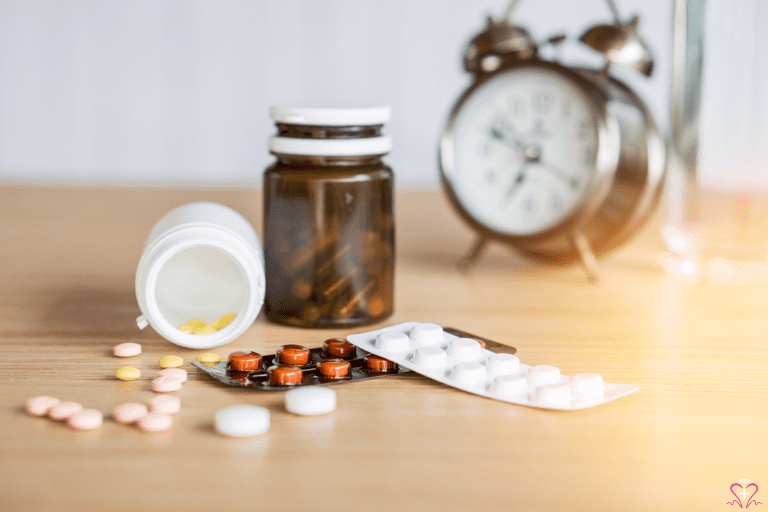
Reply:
x=698 y=352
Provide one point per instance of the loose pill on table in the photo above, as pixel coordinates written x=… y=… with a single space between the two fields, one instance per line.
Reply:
x=165 y=404
x=309 y=401
x=40 y=405
x=284 y=375
x=155 y=422
x=171 y=361
x=244 y=361
x=179 y=373
x=127 y=350
x=87 y=419
x=129 y=413
x=64 y=410
x=292 y=354
x=209 y=357
x=127 y=373
x=242 y=421
x=164 y=384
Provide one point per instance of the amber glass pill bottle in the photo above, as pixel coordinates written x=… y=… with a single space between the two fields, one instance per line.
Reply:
x=328 y=227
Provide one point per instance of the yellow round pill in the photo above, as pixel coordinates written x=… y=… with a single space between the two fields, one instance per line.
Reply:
x=127 y=373
x=171 y=361
x=209 y=357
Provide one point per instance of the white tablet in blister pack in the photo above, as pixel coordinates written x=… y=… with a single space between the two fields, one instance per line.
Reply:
x=462 y=363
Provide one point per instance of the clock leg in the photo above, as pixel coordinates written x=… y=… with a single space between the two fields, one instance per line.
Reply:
x=467 y=263
x=588 y=258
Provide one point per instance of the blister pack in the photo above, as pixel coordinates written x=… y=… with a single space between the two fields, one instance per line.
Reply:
x=463 y=363
x=335 y=362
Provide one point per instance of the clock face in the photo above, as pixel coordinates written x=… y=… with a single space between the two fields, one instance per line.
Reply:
x=524 y=151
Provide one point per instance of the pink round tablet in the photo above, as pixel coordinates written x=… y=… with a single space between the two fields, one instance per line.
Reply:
x=164 y=384
x=64 y=410
x=165 y=404
x=129 y=413
x=87 y=419
x=40 y=405
x=127 y=350
x=179 y=373
x=155 y=422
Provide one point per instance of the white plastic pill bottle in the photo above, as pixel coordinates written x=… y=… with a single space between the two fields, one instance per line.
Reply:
x=202 y=261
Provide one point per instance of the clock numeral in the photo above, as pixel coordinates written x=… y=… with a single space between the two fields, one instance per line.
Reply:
x=589 y=156
x=484 y=149
x=490 y=177
x=539 y=130
x=583 y=130
x=542 y=102
x=574 y=183
x=556 y=203
x=565 y=108
x=517 y=105
x=530 y=206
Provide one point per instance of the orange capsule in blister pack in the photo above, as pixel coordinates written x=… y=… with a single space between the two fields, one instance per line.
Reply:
x=244 y=361
x=333 y=368
x=379 y=364
x=292 y=354
x=339 y=347
x=284 y=375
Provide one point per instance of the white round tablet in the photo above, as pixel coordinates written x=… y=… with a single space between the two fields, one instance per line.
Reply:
x=242 y=421
x=309 y=401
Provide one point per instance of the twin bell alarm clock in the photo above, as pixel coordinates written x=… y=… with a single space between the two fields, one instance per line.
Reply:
x=563 y=163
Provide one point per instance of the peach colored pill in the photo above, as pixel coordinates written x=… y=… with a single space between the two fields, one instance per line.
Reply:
x=209 y=357
x=127 y=373
x=164 y=384
x=174 y=372
x=155 y=422
x=165 y=404
x=171 y=361
x=127 y=350
x=129 y=413
x=87 y=419
x=40 y=405
x=64 y=410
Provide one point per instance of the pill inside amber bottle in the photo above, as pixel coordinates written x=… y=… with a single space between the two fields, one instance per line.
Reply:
x=333 y=367
x=284 y=375
x=379 y=364
x=339 y=347
x=244 y=361
x=293 y=354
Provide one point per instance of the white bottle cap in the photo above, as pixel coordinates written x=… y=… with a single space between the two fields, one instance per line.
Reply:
x=369 y=116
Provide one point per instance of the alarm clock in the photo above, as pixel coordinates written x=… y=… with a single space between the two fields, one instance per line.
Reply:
x=563 y=163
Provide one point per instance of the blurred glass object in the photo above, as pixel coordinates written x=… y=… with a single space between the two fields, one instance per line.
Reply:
x=716 y=221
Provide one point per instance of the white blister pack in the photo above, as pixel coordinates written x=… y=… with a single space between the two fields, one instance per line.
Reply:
x=462 y=363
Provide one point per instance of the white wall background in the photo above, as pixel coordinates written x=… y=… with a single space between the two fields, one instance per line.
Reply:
x=172 y=91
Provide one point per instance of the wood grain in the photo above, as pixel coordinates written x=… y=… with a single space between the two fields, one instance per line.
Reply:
x=698 y=352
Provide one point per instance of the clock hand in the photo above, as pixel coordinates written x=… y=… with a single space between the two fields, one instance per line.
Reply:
x=560 y=174
x=515 y=184
x=506 y=139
